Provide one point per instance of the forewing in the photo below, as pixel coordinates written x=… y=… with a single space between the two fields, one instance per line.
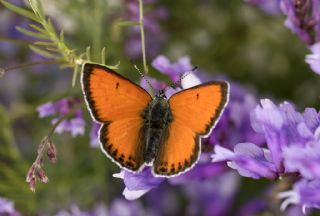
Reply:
x=110 y=96
x=199 y=108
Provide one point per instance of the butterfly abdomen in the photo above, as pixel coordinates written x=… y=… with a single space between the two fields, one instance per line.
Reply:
x=156 y=117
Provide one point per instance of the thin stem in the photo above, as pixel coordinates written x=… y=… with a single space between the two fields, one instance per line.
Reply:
x=31 y=64
x=143 y=46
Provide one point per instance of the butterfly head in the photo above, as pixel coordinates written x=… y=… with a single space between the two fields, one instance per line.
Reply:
x=161 y=94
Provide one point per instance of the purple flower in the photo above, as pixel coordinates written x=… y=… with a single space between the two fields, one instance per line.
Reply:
x=305 y=193
x=75 y=124
x=314 y=59
x=304 y=160
x=7 y=207
x=303 y=18
x=287 y=132
x=137 y=184
x=47 y=109
x=248 y=159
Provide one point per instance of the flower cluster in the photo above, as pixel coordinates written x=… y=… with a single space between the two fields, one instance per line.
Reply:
x=303 y=18
x=67 y=107
x=293 y=149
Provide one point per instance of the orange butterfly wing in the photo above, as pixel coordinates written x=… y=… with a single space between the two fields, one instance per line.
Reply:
x=195 y=112
x=117 y=103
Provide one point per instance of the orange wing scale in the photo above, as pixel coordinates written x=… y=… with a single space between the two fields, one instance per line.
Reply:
x=178 y=152
x=195 y=111
x=111 y=96
x=117 y=103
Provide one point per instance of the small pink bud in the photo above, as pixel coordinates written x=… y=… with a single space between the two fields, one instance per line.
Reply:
x=44 y=142
x=41 y=175
x=32 y=184
x=31 y=178
x=30 y=173
x=52 y=152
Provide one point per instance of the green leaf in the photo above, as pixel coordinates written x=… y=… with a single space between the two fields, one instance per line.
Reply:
x=32 y=34
x=20 y=10
x=43 y=43
x=37 y=8
x=42 y=52
x=39 y=29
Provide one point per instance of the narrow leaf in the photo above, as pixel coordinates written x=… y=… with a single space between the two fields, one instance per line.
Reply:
x=43 y=43
x=42 y=52
x=37 y=7
x=38 y=28
x=32 y=34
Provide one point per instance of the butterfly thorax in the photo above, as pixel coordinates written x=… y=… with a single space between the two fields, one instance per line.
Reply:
x=157 y=117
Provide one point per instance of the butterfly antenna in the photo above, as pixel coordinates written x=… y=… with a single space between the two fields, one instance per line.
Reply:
x=178 y=82
x=144 y=77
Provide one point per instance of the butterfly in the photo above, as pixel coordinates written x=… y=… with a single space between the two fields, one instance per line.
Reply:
x=138 y=129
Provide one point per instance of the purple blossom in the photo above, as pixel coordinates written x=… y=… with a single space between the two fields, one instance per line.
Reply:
x=7 y=207
x=248 y=159
x=75 y=124
x=286 y=132
x=303 y=18
x=314 y=59
x=292 y=149
x=137 y=184
x=305 y=193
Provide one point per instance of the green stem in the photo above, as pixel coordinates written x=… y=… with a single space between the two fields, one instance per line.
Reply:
x=143 y=46
x=20 y=66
